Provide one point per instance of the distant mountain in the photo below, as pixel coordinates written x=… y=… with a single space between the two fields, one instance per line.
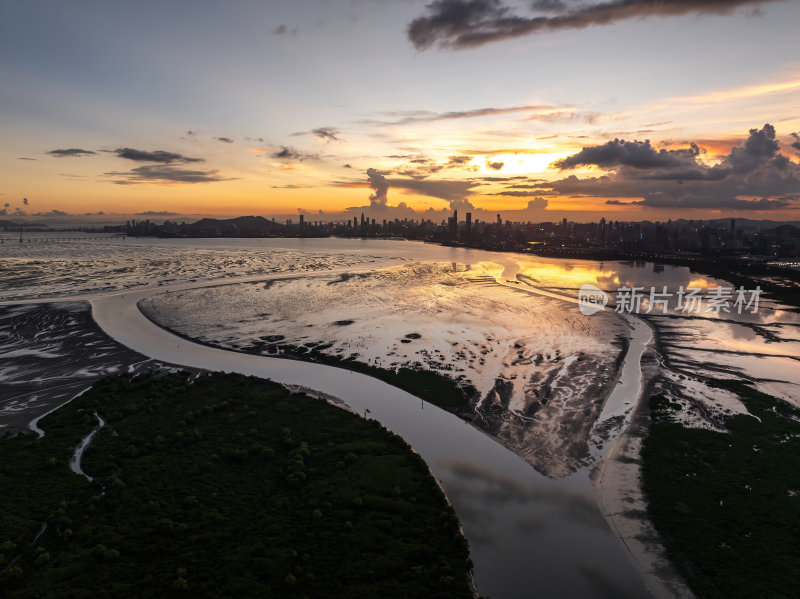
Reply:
x=754 y=224
x=239 y=226
x=12 y=223
x=786 y=230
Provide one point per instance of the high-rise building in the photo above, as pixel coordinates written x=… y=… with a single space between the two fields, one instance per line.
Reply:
x=468 y=228
x=452 y=225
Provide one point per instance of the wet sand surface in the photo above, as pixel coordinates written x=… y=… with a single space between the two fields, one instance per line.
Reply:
x=48 y=354
x=49 y=269
x=540 y=369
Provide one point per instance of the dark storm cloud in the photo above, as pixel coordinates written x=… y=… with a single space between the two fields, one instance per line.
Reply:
x=290 y=154
x=550 y=6
x=759 y=147
x=796 y=144
x=710 y=203
x=470 y=23
x=164 y=174
x=441 y=188
x=715 y=174
x=752 y=176
x=378 y=182
x=419 y=171
x=225 y=140
x=70 y=152
x=157 y=156
x=635 y=154
x=25 y=158
x=518 y=194
x=496 y=165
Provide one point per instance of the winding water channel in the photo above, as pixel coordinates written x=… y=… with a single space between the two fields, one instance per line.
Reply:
x=529 y=535
x=75 y=464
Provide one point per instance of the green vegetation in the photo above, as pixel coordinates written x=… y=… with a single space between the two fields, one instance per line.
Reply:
x=433 y=387
x=227 y=487
x=425 y=384
x=727 y=505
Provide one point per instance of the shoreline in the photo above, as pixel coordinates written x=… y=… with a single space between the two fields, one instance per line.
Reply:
x=611 y=492
x=574 y=451
x=488 y=459
x=617 y=480
x=348 y=365
x=614 y=478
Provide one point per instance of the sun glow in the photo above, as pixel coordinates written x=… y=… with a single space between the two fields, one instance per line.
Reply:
x=523 y=163
x=568 y=275
x=699 y=283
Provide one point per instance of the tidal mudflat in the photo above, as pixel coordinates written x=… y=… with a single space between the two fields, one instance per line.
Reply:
x=48 y=354
x=39 y=268
x=540 y=372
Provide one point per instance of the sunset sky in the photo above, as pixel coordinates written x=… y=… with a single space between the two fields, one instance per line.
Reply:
x=628 y=109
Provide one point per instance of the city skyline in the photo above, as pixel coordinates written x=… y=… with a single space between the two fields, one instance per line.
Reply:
x=627 y=109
